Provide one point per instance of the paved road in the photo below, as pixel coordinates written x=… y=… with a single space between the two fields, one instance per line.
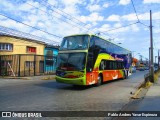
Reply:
x=30 y=95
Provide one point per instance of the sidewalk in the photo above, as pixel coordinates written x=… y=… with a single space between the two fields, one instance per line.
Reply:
x=41 y=77
x=151 y=102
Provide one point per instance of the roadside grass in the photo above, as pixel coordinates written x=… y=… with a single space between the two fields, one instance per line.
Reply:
x=156 y=75
x=147 y=83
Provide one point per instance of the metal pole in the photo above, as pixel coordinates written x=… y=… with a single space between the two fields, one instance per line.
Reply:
x=151 y=46
x=149 y=59
x=19 y=67
x=158 y=58
x=155 y=59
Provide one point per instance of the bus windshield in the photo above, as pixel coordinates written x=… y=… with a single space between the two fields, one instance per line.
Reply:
x=71 y=61
x=75 y=42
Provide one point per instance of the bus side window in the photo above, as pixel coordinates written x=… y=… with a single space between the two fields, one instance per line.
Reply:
x=91 y=42
x=110 y=65
x=102 y=65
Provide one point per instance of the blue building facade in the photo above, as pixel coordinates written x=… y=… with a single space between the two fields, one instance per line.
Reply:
x=50 y=54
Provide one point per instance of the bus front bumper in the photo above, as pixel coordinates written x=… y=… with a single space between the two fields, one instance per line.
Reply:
x=74 y=81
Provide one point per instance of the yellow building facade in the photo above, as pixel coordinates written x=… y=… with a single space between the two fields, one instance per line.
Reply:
x=20 y=45
x=21 y=56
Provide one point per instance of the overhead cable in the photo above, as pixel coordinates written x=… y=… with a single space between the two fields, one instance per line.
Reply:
x=30 y=26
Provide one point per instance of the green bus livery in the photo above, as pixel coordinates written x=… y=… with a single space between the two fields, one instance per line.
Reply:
x=87 y=59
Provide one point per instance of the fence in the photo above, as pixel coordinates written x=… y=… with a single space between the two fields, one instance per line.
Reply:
x=26 y=65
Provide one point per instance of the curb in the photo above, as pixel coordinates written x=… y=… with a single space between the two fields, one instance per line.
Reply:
x=49 y=78
x=144 y=85
x=23 y=78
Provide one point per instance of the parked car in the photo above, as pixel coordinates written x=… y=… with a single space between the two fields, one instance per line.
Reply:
x=146 y=68
x=141 y=69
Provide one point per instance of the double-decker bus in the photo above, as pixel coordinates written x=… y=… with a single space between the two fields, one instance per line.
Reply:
x=87 y=59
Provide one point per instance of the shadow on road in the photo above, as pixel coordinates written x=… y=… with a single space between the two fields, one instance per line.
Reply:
x=55 y=85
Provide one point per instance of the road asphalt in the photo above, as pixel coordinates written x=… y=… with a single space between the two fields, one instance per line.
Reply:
x=150 y=104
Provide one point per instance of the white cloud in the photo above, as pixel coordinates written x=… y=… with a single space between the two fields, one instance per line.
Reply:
x=129 y=17
x=157 y=30
x=28 y=6
x=118 y=30
x=113 y=18
x=106 y=5
x=151 y=1
x=93 y=8
x=53 y=2
x=7 y=4
x=71 y=2
x=72 y=10
x=93 y=17
x=144 y=16
x=156 y=15
x=71 y=6
x=134 y=28
x=117 y=25
x=104 y=27
x=124 y=2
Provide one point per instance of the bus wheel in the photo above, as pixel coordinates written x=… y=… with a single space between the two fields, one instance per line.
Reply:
x=99 y=82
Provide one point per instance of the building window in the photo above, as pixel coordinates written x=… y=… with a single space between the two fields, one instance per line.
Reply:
x=31 y=49
x=6 y=46
x=29 y=64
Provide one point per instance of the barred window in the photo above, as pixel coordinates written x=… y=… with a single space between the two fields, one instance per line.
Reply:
x=6 y=46
x=31 y=49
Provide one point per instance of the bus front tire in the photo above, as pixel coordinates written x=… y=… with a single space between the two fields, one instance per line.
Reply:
x=99 y=82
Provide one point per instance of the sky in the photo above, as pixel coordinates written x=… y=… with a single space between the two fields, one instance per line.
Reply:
x=121 y=21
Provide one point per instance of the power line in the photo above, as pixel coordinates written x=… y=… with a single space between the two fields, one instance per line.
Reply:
x=30 y=26
x=65 y=13
x=80 y=27
x=144 y=24
x=137 y=14
x=121 y=27
x=59 y=18
x=135 y=10
x=9 y=31
x=71 y=19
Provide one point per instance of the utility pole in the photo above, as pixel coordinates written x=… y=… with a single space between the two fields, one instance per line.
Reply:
x=158 y=58
x=149 y=59
x=155 y=59
x=151 y=46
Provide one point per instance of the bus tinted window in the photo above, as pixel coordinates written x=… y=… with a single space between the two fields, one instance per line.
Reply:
x=111 y=65
x=108 y=46
x=75 y=42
